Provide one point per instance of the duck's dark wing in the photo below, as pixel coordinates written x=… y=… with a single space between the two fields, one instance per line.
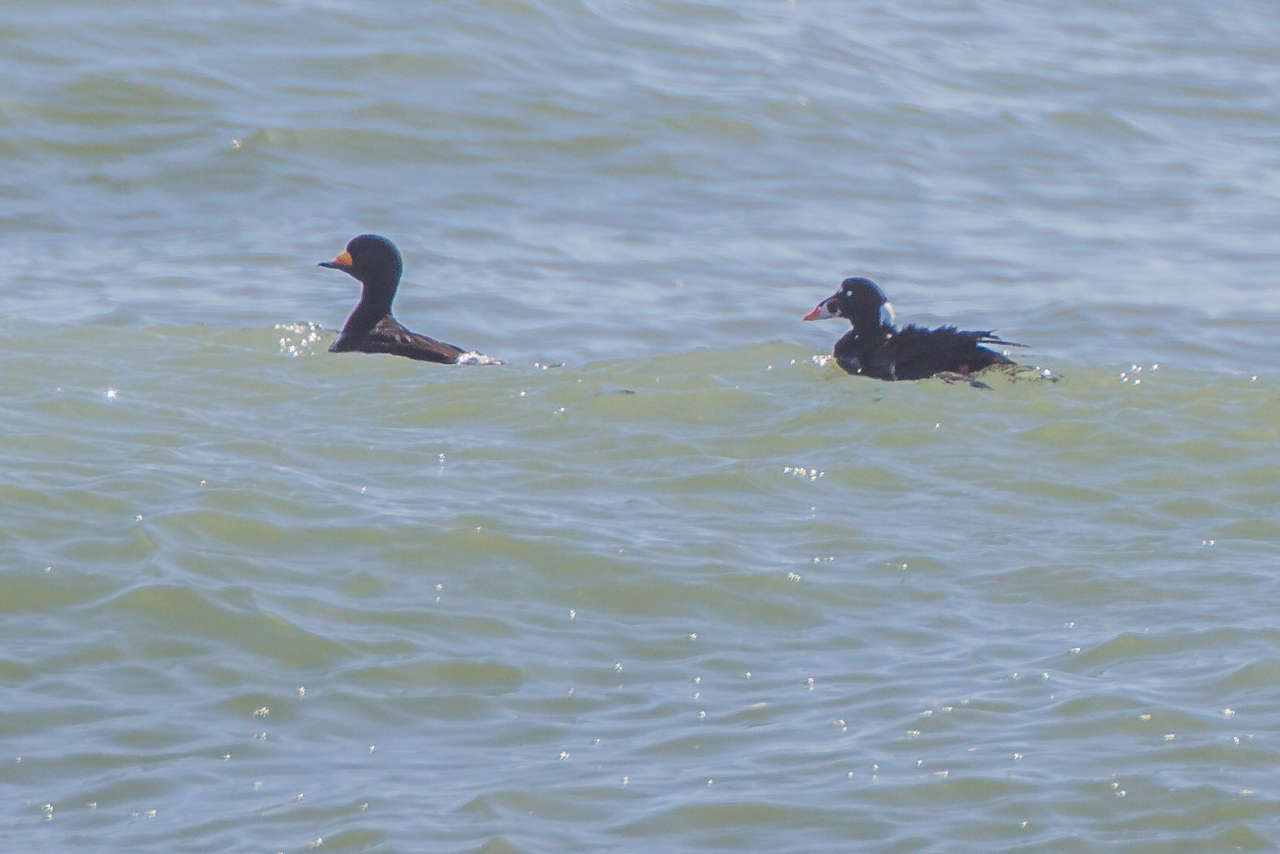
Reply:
x=919 y=353
x=388 y=336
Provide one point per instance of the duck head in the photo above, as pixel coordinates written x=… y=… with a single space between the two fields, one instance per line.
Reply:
x=375 y=262
x=861 y=302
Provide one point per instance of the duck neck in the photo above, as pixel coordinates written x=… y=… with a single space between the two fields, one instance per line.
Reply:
x=375 y=304
x=868 y=332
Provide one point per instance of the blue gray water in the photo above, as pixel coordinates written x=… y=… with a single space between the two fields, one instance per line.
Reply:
x=664 y=580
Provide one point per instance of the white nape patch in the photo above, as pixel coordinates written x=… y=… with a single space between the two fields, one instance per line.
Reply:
x=474 y=358
x=887 y=315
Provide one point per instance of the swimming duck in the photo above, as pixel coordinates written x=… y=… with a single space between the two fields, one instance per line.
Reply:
x=375 y=262
x=876 y=348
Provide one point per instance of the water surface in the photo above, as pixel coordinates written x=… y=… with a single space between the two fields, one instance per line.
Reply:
x=663 y=580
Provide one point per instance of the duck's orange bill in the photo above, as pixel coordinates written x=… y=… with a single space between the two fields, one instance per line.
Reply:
x=815 y=314
x=343 y=260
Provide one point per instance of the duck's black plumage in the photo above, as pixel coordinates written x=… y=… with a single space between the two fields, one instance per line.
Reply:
x=375 y=262
x=875 y=348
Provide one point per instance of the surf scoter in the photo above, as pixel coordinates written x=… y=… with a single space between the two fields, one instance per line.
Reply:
x=875 y=348
x=375 y=261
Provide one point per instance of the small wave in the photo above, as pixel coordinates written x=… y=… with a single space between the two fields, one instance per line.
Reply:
x=299 y=338
x=474 y=358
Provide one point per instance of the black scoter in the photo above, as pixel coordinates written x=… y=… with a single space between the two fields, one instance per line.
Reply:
x=876 y=348
x=375 y=261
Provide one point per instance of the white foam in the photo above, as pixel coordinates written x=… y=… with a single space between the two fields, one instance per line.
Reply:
x=474 y=358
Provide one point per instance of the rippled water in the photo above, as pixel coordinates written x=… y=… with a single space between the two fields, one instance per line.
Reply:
x=663 y=580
